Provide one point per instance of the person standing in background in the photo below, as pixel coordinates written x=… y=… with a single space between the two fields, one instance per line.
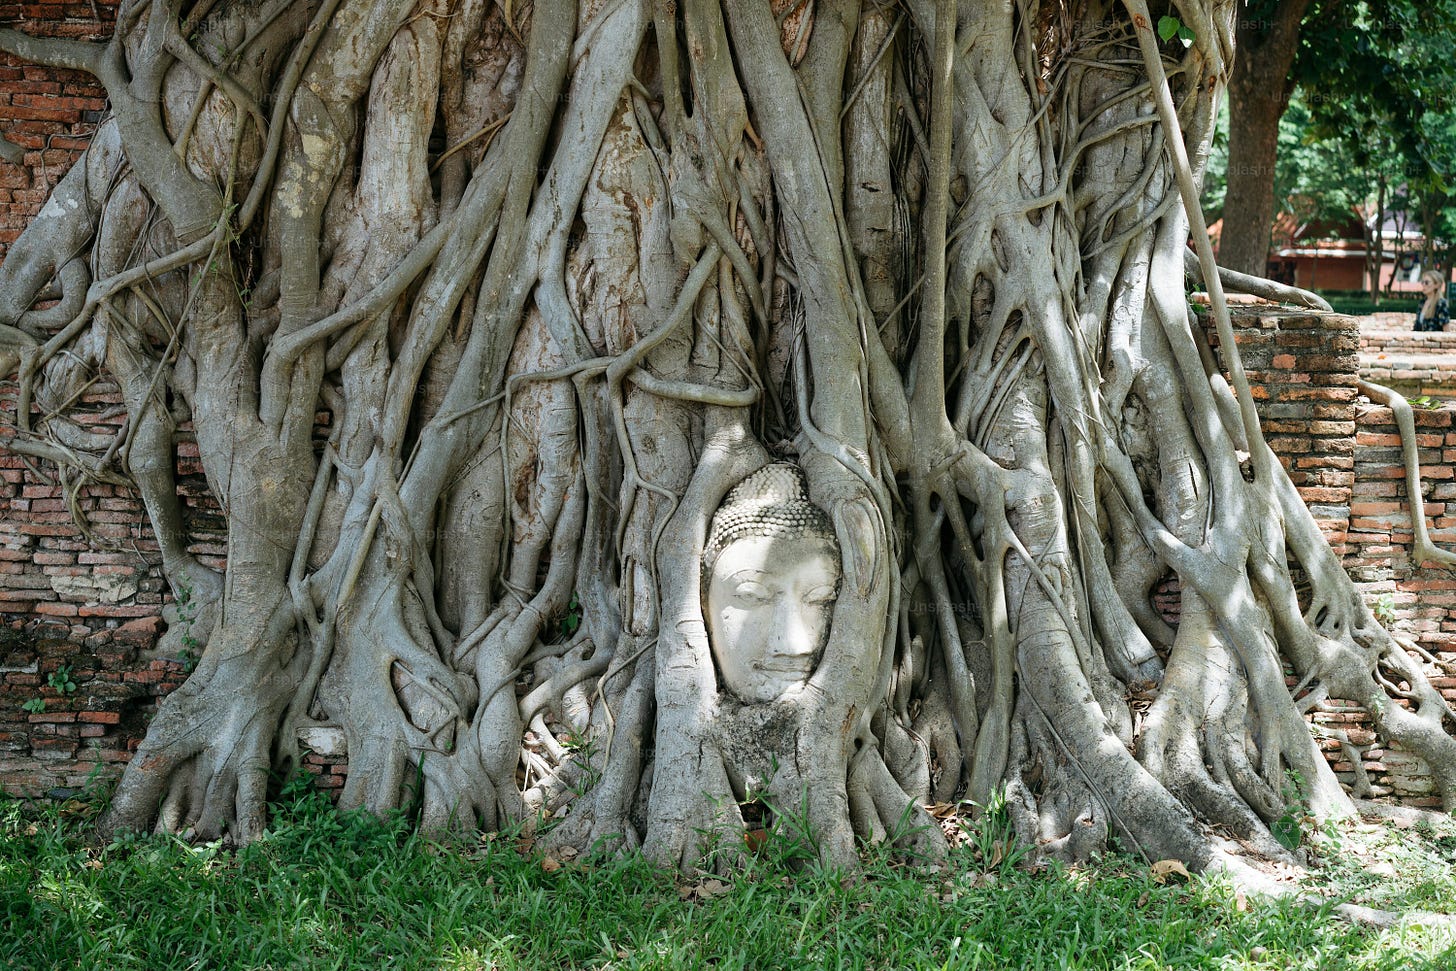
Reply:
x=1434 y=314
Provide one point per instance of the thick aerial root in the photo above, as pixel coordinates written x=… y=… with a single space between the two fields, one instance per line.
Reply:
x=607 y=817
x=398 y=705
x=1423 y=551
x=1095 y=784
x=1049 y=802
x=1255 y=286
x=881 y=811
x=713 y=835
x=203 y=768
x=1194 y=736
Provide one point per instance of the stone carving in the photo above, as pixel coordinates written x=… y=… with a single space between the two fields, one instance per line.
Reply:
x=771 y=576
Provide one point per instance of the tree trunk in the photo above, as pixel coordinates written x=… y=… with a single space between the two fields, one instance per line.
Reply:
x=1375 y=251
x=663 y=422
x=1429 y=214
x=1258 y=93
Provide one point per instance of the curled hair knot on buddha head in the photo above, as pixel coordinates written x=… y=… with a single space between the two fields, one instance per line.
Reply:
x=774 y=501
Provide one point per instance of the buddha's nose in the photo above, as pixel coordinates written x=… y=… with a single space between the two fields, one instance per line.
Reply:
x=794 y=633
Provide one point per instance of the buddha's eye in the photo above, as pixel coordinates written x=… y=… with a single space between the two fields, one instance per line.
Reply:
x=751 y=591
x=822 y=596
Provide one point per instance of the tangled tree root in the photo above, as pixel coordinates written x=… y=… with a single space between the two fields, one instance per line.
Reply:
x=478 y=314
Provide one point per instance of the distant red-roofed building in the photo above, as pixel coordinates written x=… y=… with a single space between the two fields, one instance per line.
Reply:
x=1334 y=254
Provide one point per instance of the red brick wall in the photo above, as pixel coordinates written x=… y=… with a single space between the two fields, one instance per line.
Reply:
x=49 y=113
x=1304 y=371
x=1412 y=363
x=84 y=597
x=1419 y=603
x=1344 y=455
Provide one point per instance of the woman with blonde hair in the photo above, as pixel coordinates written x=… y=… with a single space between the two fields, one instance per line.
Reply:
x=1434 y=313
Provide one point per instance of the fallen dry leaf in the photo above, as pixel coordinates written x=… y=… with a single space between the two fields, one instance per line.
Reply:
x=1164 y=868
x=713 y=888
x=706 y=890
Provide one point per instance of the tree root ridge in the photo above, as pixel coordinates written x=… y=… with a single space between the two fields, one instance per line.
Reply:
x=478 y=316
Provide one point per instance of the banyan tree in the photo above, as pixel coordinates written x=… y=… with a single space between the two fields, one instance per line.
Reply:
x=658 y=417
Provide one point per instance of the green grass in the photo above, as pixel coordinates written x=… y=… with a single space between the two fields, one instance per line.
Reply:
x=1392 y=867
x=329 y=891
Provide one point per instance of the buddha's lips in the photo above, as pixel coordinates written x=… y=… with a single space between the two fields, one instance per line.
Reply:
x=783 y=667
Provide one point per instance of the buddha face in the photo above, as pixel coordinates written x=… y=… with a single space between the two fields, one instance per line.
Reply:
x=768 y=604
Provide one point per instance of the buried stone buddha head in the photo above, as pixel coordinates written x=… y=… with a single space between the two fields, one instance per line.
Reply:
x=771 y=576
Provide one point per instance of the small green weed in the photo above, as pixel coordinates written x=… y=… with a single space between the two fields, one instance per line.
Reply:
x=991 y=837
x=1288 y=829
x=788 y=842
x=187 y=612
x=61 y=680
x=571 y=620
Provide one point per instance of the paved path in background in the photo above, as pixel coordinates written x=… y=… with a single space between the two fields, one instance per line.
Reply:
x=1401 y=320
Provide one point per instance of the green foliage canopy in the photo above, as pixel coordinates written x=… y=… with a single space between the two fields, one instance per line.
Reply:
x=1374 y=105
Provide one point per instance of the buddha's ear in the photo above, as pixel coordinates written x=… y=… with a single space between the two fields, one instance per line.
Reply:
x=854 y=525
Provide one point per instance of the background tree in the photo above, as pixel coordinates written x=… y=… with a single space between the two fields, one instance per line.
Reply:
x=1314 y=180
x=559 y=278
x=1433 y=186
x=1259 y=89
x=1377 y=59
x=1333 y=172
